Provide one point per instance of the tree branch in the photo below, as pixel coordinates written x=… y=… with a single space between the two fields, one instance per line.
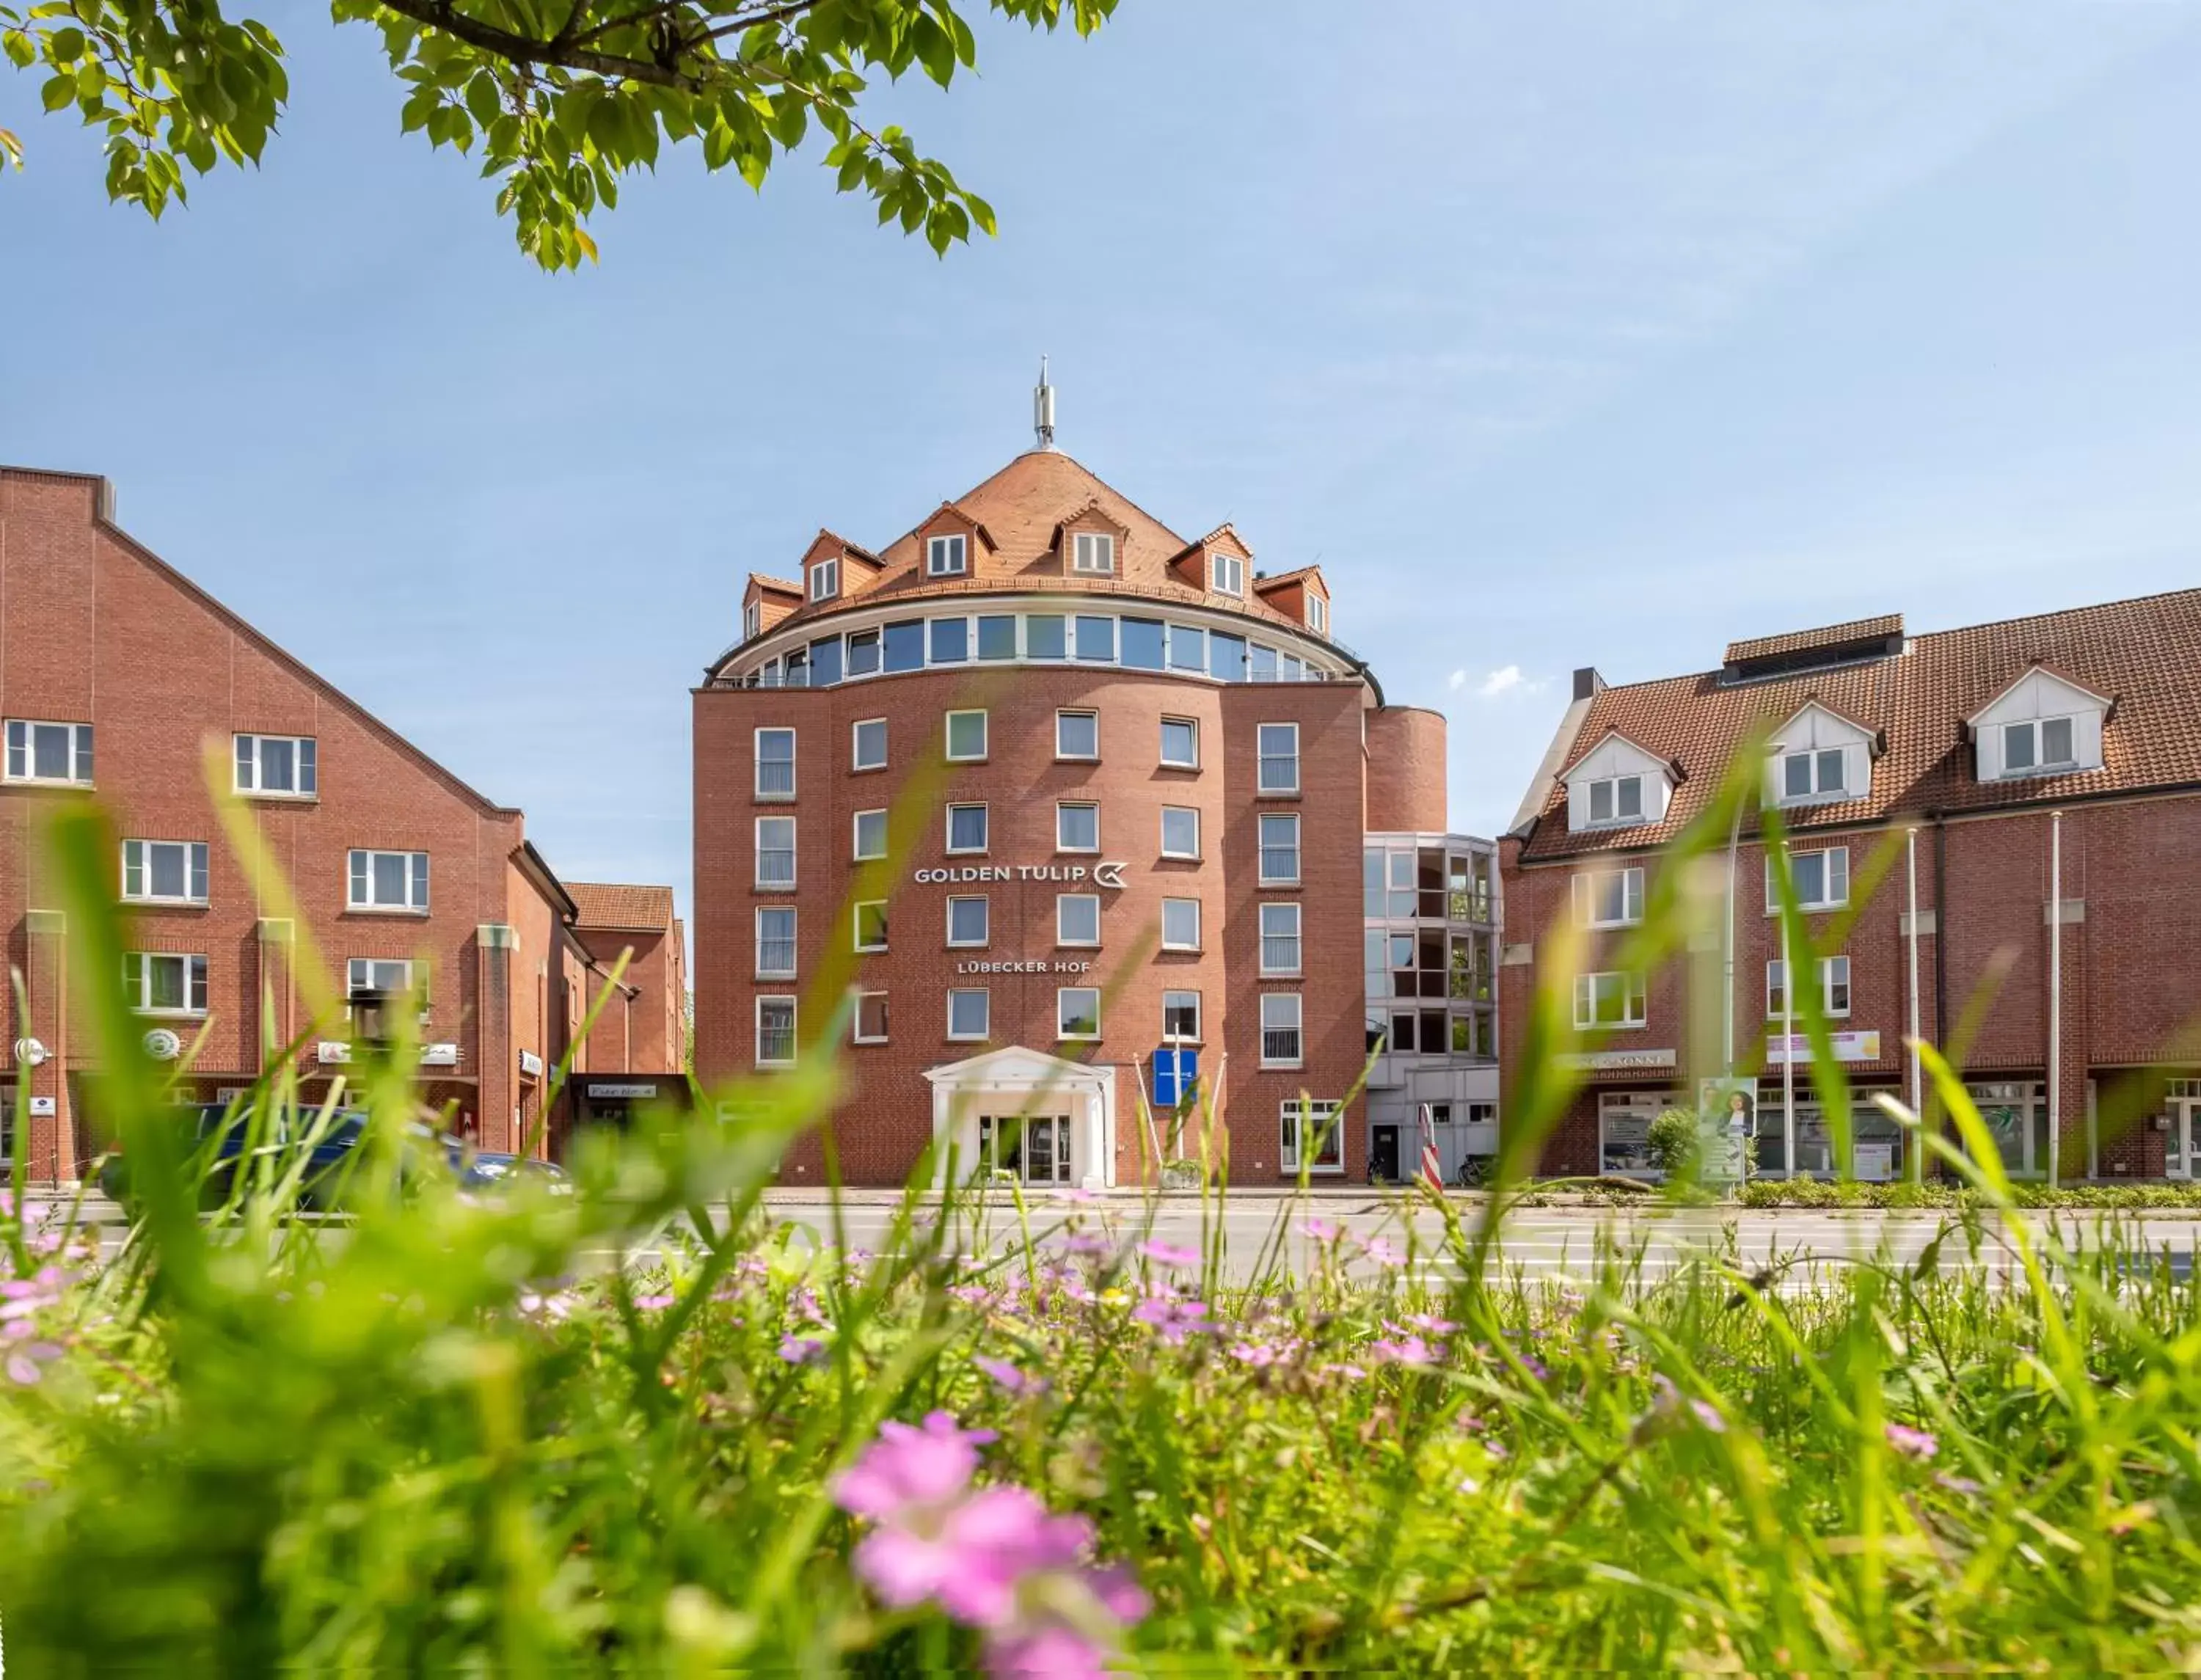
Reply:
x=526 y=50
x=777 y=14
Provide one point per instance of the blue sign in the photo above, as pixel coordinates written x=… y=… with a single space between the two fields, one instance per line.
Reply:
x=1176 y=1075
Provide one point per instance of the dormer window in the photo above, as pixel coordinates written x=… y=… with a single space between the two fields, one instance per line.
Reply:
x=1318 y=615
x=2039 y=746
x=1816 y=775
x=1092 y=554
x=825 y=579
x=1617 y=800
x=1226 y=574
x=947 y=557
x=752 y=620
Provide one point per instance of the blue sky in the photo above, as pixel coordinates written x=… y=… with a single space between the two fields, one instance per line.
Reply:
x=1594 y=331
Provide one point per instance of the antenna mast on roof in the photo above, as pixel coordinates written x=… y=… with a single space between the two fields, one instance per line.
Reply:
x=1043 y=409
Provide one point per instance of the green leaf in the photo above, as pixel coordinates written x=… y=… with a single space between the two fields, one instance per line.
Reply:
x=482 y=99
x=65 y=46
x=58 y=92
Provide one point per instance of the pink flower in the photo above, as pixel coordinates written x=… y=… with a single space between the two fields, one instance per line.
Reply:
x=1322 y=1230
x=1009 y=1377
x=1173 y=1320
x=1434 y=1325
x=1411 y=1351
x=911 y=1463
x=1169 y=1254
x=802 y=1349
x=1670 y=1413
x=1345 y=1370
x=23 y=1363
x=1912 y=1444
x=1383 y=1251
x=1056 y=1651
x=652 y=1303
x=1255 y=1353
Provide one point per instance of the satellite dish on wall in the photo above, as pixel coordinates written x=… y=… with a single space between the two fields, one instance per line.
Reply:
x=163 y=1045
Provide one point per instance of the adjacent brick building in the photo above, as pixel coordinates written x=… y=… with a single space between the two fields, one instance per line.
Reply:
x=122 y=681
x=637 y=1055
x=1037 y=810
x=1999 y=824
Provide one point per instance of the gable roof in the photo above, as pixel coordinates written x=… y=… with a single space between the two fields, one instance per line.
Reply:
x=2144 y=651
x=614 y=904
x=2046 y=670
x=1597 y=742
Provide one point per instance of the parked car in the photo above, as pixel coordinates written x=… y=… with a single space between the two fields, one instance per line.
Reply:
x=495 y=1169
x=220 y=1147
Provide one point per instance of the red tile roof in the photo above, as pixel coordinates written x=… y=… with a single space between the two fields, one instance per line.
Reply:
x=616 y=904
x=1827 y=636
x=2145 y=653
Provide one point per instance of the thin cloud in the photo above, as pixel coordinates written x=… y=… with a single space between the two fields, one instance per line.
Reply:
x=1500 y=681
x=1457 y=681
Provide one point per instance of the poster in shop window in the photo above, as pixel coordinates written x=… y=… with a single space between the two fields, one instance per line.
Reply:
x=1728 y=1109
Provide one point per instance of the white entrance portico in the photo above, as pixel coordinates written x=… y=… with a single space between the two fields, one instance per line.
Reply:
x=1053 y=1120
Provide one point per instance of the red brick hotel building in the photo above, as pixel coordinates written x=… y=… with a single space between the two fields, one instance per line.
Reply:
x=1031 y=798
x=2033 y=788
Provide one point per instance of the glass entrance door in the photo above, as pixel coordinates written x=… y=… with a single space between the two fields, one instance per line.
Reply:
x=1035 y=1149
x=2182 y=1157
x=2016 y=1117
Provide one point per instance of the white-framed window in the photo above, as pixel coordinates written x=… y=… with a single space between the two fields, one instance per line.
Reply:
x=966 y=828
x=1181 y=744
x=390 y=881
x=1180 y=1018
x=1610 y=898
x=1282 y=1041
x=390 y=977
x=1280 y=849
x=1609 y=999
x=1822 y=878
x=969 y=920
x=164 y=871
x=871 y=923
x=1318 y=614
x=867 y=744
x=775 y=941
x=1617 y=800
x=1226 y=573
x=1093 y=553
x=156 y=982
x=1279 y=754
x=278 y=766
x=2037 y=746
x=871 y=835
x=947 y=557
x=1279 y=939
x=775 y=763
x=1078 y=735
x=1313 y=1120
x=970 y=1013
x=1077 y=1012
x=49 y=752
x=1180 y=924
x=775 y=1031
x=1180 y=832
x=870 y=1025
x=825 y=579
x=775 y=853
x=1078 y=919
x=1834 y=987
x=1077 y=826
x=966 y=736
x=752 y=620
x=1814 y=775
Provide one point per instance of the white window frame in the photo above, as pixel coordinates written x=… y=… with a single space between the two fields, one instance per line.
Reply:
x=856 y=742
x=948 y=736
x=1816 y=760
x=23 y=749
x=1062 y=996
x=856 y=1033
x=1170 y=944
x=985 y=916
x=1615 y=817
x=2037 y=761
x=1264 y=758
x=1063 y=901
x=1587 y=886
x=947 y=555
x=305 y=766
x=1199 y=1021
x=1067 y=712
x=137 y=971
x=1226 y=573
x=856 y=925
x=1062 y=808
x=856 y=852
x=986 y=1004
x=1263 y=849
x=1092 y=554
x=825 y=579
x=752 y=620
x=757 y=1023
x=794 y=956
x=1837 y=863
x=1317 y=612
x=985 y=823
x=360 y=978
x=1296 y=1027
x=1299 y=944
x=417 y=898
x=1834 y=981
x=196 y=874
x=757 y=762
x=1191 y=811
x=794 y=855
x=1635 y=1002
x=1295 y=1113
x=1168 y=763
